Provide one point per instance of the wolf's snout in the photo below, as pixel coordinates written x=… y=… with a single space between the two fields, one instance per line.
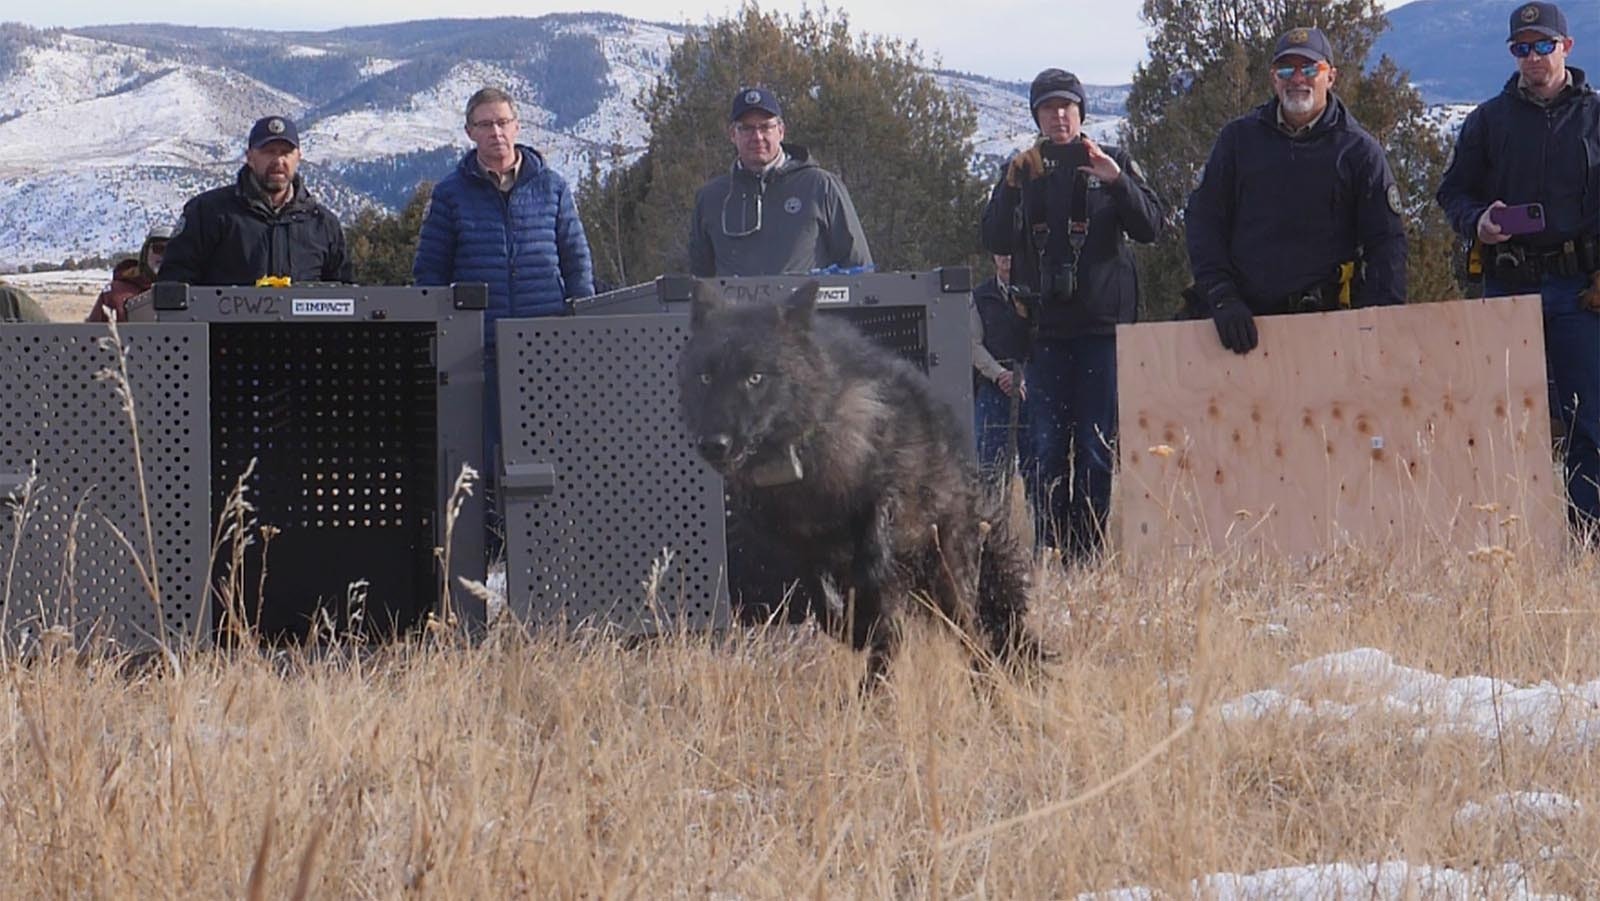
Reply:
x=715 y=448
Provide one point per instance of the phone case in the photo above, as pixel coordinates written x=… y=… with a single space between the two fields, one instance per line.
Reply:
x=1524 y=219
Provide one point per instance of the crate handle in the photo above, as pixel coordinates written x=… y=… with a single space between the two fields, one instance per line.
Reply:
x=529 y=478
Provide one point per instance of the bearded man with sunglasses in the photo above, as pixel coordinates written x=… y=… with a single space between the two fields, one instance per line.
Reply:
x=776 y=211
x=1538 y=141
x=1297 y=209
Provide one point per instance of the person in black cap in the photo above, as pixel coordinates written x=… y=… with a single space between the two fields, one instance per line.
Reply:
x=1538 y=141
x=776 y=211
x=1063 y=209
x=265 y=224
x=1297 y=209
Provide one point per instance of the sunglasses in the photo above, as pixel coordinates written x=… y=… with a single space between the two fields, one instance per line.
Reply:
x=1308 y=71
x=1543 y=47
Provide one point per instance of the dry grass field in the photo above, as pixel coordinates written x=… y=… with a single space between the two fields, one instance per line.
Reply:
x=1354 y=726
x=745 y=766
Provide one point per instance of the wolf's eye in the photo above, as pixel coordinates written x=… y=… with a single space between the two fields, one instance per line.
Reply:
x=753 y=379
x=705 y=378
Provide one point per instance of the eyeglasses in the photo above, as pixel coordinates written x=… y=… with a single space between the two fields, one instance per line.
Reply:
x=1543 y=47
x=745 y=130
x=1307 y=71
x=487 y=124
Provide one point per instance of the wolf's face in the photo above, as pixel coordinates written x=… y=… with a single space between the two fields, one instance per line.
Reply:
x=742 y=377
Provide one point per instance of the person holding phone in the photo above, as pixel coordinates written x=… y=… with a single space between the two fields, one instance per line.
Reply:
x=1297 y=209
x=1064 y=209
x=1524 y=184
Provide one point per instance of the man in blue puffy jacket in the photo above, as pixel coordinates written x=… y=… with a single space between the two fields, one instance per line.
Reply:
x=505 y=218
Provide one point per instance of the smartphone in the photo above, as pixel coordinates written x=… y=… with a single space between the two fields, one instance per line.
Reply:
x=1072 y=154
x=1523 y=219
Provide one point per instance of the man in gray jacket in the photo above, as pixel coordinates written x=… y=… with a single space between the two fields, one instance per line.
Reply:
x=776 y=212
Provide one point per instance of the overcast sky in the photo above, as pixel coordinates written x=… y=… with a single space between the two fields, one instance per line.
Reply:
x=1100 y=40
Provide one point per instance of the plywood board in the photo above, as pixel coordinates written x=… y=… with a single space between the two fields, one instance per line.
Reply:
x=1426 y=425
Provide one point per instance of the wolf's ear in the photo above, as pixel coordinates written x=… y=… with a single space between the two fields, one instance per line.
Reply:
x=799 y=306
x=707 y=301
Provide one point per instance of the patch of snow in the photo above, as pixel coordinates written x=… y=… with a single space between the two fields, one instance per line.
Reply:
x=1369 y=682
x=377 y=65
x=191 y=116
x=70 y=69
x=1386 y=880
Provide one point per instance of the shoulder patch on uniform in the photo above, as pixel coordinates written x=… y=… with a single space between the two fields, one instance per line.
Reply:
x=1395 y=204
x=792 y=205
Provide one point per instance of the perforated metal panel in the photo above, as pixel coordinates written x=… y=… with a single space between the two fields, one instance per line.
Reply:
x=600 y=477
x=66 y=565
x=340 y=419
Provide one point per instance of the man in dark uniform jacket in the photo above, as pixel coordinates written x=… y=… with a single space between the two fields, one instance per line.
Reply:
x=265 y=224
x=1297 y=209
x=1064 y=210
x=1538 y=141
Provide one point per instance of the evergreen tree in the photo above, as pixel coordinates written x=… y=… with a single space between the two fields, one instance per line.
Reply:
x=1208 y=64
x=865 y=108
x=382 y=245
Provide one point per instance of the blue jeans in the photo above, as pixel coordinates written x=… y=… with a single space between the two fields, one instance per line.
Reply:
x=991 y=424
x=1072 y=409
x=1572 y=358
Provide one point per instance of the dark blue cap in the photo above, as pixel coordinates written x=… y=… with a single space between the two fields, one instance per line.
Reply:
x=273 y=128
x=748 y=99
x=1545 y=18
x=1310 y=43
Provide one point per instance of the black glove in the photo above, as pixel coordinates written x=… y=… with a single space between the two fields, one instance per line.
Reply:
x=1235 y=326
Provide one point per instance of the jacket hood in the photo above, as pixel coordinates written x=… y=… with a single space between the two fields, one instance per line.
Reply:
x=1334 y=115
x=532 y=164
x=1580 y=85
x=249 y=188
x=796 y=157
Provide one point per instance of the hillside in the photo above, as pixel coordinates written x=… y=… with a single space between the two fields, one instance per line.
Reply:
x=1456 y=49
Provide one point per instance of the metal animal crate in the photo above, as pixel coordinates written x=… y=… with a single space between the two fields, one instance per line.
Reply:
x=353 y=410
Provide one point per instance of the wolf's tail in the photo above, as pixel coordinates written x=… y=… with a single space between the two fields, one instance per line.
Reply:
x=1005 y=580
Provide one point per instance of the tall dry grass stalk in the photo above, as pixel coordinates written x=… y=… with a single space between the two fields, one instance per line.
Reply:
x=746 y=766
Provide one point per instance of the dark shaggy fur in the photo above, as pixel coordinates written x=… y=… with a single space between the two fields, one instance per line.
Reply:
x=839 y=452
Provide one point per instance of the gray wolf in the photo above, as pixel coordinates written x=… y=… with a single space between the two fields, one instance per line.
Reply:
x=839 y=453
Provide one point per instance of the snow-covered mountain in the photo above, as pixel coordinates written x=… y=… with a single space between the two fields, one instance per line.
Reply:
x=107 y=131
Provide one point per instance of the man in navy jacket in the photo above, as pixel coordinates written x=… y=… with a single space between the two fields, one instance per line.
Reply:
x=505 y=218
x=1538 y=141
x=1297 y=209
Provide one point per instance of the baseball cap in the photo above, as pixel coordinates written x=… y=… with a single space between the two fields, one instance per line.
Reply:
x=1052 y=83
x=1310 y=43
x=273 y=128
x=748 y=99
x=1545 y=18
